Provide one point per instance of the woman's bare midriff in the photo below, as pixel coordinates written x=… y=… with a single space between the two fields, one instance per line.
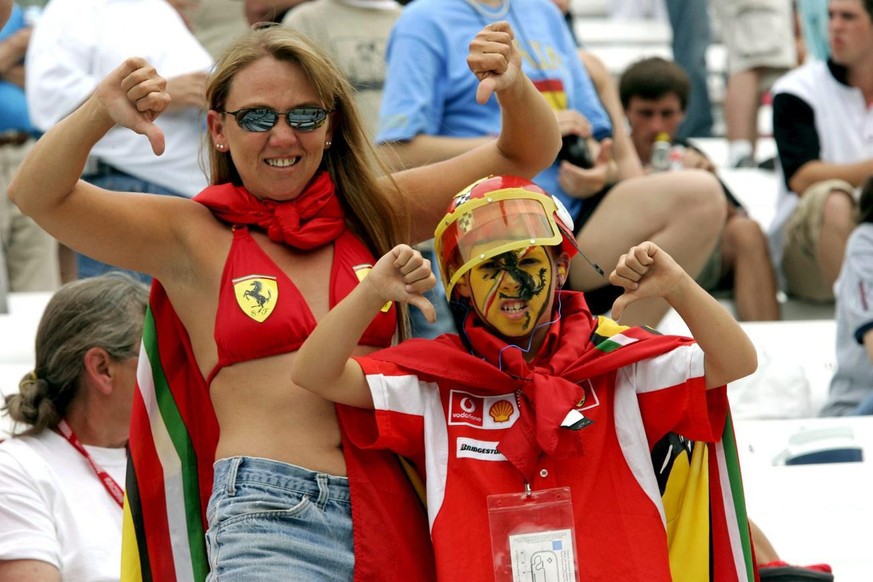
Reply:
x=260 y=412
x=263 y=414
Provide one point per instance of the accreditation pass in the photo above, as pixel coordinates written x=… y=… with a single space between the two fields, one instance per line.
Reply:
x=544 y=556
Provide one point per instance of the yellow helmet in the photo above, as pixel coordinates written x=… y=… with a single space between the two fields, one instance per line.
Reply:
x=508 y=211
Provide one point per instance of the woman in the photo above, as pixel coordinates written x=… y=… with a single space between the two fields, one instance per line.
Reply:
x=284 y=135
x=61 y=475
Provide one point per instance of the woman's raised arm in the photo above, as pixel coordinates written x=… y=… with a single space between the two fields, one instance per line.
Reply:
x=120 y=228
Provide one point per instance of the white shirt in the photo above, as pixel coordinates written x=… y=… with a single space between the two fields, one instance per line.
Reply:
x=844 y=125
x=54 y=508
x=76 y=43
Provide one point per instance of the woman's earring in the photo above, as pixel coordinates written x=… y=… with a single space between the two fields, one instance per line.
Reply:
x=327 y=144
x=219 y=147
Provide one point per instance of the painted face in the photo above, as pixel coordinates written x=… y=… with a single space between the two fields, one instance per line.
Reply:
x=278 y=163
x=851 y=32
x=649 y=117
x=514 y=291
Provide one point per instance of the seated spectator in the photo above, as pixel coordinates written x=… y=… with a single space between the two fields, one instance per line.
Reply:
x=61 y=475
x=820 y=120
x=75 y=45
x=851 y=390
x=31 y=255
x=654 y=95
x=428 y=114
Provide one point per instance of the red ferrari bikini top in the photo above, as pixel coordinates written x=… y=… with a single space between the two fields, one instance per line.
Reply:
x=262 y=313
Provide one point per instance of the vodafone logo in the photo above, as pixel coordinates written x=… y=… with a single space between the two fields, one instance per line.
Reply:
x=487 y=412
x=465 y=409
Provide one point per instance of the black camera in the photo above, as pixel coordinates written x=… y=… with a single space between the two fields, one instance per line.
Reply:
x=574 y=149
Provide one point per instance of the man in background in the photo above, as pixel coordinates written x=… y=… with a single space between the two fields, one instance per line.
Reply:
x=654 y=94
x=821 y=116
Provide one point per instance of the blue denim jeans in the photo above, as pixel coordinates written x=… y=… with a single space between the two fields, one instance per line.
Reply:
x=271 y=521
x=689 y=20
x=109 y=178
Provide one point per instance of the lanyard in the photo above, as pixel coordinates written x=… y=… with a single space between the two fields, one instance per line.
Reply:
x=109 y=483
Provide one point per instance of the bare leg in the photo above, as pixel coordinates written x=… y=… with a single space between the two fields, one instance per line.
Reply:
x=764 y=550
x=745 y=252
x=741 y=102
x=682 y=212
x=837 y=225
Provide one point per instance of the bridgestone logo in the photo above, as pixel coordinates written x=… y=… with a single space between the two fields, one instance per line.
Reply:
x=480 y=450
x=474 y=449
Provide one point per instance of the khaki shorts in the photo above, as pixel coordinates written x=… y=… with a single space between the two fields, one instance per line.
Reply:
x=803 y=277
x=711 y=276
x=757 y=33
x=31 y=254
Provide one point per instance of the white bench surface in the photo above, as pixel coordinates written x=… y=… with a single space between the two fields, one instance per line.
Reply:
x=810 y=513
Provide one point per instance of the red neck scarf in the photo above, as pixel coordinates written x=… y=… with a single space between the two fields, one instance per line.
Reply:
x=544 y=391
x=310 y=221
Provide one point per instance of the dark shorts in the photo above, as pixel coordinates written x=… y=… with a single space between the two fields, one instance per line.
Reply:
x=599 y=300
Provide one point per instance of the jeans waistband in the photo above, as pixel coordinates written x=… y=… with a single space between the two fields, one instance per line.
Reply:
x=95 y=168
x=321 y=487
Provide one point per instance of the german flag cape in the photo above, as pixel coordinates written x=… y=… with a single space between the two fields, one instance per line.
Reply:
x=702 y=492
x=173 y=436
x=704 y=506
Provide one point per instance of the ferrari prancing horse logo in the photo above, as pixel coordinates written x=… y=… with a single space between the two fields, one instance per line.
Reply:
x=256 y=295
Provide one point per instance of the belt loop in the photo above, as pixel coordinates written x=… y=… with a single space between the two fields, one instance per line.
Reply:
x=230 y=485
x=323 y=490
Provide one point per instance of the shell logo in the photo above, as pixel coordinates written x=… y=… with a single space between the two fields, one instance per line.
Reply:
x=501 y=411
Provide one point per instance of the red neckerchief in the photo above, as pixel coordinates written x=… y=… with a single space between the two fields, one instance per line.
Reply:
x=547 y=388
x=310 y=221
x=544 y=395
x=66 y=431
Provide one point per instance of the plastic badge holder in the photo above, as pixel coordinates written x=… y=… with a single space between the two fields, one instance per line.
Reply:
x=533 y=537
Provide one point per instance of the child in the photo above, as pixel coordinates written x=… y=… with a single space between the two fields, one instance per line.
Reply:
x=536 y=403
x=851 y=390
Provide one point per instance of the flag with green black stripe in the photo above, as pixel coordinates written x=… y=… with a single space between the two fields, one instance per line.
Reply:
x=172 y=448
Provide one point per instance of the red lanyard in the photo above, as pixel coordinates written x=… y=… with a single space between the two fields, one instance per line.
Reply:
x=109 y=483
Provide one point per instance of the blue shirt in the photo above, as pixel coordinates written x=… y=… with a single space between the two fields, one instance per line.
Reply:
x=430 y=90
x=13 y=105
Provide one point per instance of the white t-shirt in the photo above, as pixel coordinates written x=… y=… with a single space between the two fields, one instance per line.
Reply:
x=76 y=43
x=843 y=124
x=53 y=507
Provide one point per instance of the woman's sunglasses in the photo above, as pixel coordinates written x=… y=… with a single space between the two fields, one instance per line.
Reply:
x=261 y=119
